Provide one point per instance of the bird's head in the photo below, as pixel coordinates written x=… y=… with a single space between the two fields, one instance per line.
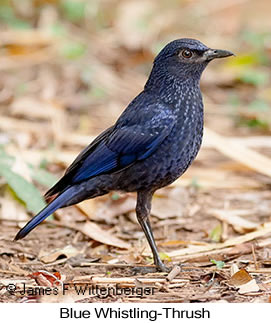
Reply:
x=186 y=58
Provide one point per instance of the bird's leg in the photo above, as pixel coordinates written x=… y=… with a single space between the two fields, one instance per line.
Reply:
x=143 y=208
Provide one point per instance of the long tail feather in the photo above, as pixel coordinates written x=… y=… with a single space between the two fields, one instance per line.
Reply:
x=57 y=203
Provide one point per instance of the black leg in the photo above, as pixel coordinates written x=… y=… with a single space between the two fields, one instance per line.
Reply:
x=143 y=208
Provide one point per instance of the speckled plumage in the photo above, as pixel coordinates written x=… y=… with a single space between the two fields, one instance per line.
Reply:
x=152 y=143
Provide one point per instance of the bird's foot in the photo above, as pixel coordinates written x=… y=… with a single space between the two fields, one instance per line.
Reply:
x=160 y=266
x=142 y=270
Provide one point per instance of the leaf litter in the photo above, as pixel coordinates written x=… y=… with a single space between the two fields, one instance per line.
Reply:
x=212 y=226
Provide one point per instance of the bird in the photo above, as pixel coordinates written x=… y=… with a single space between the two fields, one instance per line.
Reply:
x=152 y=143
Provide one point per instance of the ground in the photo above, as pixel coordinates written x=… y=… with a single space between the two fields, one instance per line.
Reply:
x=193 y=215
x=67 y=72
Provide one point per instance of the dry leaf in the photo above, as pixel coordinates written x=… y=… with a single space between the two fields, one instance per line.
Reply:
x=215 y=178
x=232 y=217
x=17 y=269
x=234 y=269
x=171 y=204
x=95 y=232
x=44 y=278
x=110 y=209
x=244 y=155
x=11 y=209
x=30 y=107
x=262 y=230
x=88 y=207
x=68 y=252
x=243 y=280
x=241 y=277
x=174 y=243
x=249 y=287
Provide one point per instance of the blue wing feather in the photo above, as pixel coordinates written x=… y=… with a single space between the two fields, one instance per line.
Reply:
x=123 y=148
x=100 y=161
x=118 y=147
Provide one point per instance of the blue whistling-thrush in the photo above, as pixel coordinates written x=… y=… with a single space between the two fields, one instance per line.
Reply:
x=152 y=143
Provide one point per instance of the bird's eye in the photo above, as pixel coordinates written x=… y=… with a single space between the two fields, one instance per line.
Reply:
x=186 y=53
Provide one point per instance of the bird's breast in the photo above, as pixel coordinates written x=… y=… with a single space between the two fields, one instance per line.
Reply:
x=181 y=147
x=172 y=157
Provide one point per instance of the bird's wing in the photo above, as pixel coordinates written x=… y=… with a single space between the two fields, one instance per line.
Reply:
x=124 y=146
x=87 y=151
x=118 y=148
x=64 y=181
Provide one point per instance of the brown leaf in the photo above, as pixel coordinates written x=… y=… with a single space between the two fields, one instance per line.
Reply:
x=30 y=107
x=171 y=204
x=108 y=210
x=68 y=252
x=175 y=243
x=241 y=277
x=95 y=232
x=243 y=280
x=261 y=231
x=244 y=155
x=44 y=278
x=233 y=218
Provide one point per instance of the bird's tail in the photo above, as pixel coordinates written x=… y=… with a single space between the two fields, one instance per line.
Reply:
x=60 y=201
